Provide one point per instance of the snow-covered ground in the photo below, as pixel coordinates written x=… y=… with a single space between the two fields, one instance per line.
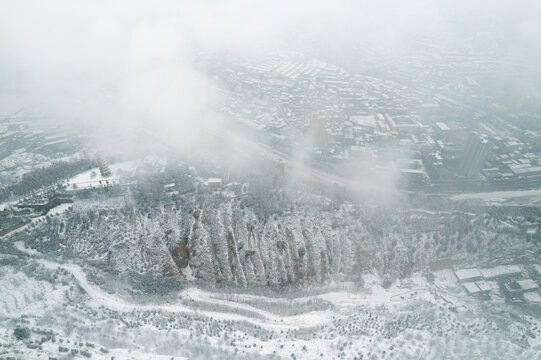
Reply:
x=23 y=295
x=92 y=178
x=59 y=209
x=343 y=301
x=522 y=197
x=408 y=320
x=20 y=246
x=268 y=320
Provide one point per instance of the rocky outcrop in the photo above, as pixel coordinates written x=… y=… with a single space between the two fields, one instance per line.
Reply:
x=219 y=240
x=223 y=244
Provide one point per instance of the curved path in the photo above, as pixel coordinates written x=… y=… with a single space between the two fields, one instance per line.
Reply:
x=269 y=320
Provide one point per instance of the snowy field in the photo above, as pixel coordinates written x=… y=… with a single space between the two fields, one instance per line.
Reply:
x=64 y=309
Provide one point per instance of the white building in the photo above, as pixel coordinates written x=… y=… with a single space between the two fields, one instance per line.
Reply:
x=501 y=271
x=528 y=285
x=468 y=275
x=532 y=297
x=472 y=288
x=487 y=286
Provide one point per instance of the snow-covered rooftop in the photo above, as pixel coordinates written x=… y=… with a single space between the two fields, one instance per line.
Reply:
x=528 y=284
x=467 y=274
x=501 y=270
x=472 y=288
x=533 y=297
x=486 y=286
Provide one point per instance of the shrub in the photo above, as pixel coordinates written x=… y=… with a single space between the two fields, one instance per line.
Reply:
x=21 y=333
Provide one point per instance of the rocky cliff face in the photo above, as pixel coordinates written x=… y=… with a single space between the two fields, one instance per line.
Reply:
x=222 y=244
x=216 y=239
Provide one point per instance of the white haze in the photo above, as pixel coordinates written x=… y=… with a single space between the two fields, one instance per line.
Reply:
x=128 y=66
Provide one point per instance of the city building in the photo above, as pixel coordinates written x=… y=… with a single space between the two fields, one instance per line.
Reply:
x=528 y=285
x=502 y=271
x=472 y=288
x=474 y=156
x=468 y=275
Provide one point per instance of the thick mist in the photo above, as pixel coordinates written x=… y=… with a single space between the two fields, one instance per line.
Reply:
x=128 y=71
x=127 y=64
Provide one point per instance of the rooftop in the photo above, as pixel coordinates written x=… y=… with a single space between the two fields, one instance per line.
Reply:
x=528 y=284
x=499 y=271
x=467 y=274
x=472 y=288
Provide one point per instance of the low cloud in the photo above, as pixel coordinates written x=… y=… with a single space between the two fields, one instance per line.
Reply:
x=129 y=66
